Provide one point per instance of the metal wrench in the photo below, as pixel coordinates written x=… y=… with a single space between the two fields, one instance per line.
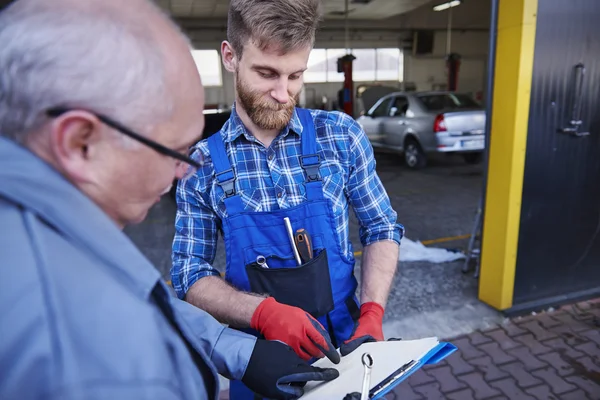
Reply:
x=262 y=261
x=367 y=362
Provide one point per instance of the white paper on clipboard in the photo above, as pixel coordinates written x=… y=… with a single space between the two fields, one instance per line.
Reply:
x=387 y=356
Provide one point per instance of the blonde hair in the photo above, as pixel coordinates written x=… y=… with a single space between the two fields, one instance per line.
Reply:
x=284 y=25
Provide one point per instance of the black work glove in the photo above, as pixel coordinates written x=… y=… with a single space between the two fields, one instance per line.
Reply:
x=276 y=372
x=352 y=396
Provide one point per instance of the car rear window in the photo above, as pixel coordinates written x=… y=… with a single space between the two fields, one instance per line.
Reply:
x=436 y=102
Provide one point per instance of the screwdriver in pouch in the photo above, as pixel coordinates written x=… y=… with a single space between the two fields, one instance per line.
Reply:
x=290 y=232
x=304 y=245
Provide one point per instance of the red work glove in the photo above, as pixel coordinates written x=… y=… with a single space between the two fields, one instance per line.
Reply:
x=295 y=327
x=368 y=328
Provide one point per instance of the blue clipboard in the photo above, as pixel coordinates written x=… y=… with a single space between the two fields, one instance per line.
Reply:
x=435 y=355
x=392 y=361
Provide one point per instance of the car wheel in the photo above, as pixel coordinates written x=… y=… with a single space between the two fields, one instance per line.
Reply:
x=414 y=157
x=473 y=158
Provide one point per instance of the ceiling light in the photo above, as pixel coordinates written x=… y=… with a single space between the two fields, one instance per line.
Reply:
x=447 y=5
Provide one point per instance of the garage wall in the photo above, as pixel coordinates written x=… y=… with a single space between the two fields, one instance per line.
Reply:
x=427 y=72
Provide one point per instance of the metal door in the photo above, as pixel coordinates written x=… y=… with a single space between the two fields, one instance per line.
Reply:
x=559 y=240
x=373 y=120
x=395 y=126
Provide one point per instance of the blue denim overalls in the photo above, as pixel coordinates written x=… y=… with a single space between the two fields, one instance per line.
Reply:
x=324 y=286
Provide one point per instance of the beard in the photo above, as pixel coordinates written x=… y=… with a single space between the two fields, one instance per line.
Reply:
x=268 y=115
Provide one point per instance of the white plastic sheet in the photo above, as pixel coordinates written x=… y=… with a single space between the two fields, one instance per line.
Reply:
x=416 y=251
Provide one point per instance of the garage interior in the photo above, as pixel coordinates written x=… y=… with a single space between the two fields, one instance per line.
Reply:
x=502 y=253
x=436 y=204
x=535 y=70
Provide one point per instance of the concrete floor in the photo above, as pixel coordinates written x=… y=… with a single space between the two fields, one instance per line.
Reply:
x=426 y=299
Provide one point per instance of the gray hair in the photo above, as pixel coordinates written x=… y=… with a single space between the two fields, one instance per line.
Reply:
x=75 y=58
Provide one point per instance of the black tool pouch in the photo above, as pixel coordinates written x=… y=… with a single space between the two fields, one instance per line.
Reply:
x=307 y=286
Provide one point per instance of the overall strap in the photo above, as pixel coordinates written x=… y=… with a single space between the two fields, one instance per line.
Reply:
x=224 y=173
x=310 y=159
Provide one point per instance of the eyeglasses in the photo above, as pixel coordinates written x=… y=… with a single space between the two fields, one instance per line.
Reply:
x=191 y=164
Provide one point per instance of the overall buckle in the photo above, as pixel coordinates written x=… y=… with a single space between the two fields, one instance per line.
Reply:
x=226 y=180
x=310 y=164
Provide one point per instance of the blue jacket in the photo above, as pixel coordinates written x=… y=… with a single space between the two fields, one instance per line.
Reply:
x=76 y=317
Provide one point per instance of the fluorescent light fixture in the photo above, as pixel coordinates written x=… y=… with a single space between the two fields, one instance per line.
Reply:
x=447 y=5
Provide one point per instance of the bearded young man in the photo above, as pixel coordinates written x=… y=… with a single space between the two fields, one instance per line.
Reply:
x=272 y=161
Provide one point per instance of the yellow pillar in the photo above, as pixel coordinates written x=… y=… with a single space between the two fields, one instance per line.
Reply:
x=508 y=139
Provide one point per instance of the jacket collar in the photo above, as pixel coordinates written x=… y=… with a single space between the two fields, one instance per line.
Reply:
x=27 y=180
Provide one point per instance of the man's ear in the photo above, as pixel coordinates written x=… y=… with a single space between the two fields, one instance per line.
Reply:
x=228 y=56
x=74 y=137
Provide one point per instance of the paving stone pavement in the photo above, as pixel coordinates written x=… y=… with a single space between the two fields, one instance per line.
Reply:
x=549 y=356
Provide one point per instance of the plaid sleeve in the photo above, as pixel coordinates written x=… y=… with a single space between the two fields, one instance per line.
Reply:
x=369 y=199
x=194 y=245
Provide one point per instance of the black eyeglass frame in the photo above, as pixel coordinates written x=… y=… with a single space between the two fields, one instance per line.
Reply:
x=57 y=111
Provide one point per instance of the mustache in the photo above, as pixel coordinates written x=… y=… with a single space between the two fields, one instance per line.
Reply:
x=269 y=106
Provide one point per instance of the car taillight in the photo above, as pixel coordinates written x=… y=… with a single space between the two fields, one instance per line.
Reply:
x=439 y=125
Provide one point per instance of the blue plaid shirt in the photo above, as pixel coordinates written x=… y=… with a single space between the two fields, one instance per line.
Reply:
x=266 y=181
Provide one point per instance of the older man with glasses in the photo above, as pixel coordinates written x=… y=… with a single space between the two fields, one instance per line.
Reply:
x=100 y=101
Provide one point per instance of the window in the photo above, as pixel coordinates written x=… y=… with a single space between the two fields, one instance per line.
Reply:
x=370 y=65
x=390 y=65
x=439 y=102
x=382 y=109
x=208 y=63
x=317 y=66
x=399 y=107
x=332 y=56
x=364 y=67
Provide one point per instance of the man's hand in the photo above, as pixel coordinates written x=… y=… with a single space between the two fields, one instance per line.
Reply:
x=276 y=372
x=295 y=327
x=368 y=328
x=352 y=396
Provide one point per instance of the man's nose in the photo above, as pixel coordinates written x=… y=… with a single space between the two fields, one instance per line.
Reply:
x=280 y=91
